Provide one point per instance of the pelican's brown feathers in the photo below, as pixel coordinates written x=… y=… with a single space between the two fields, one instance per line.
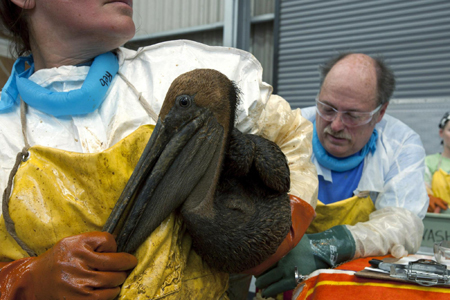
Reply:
x=230 y=188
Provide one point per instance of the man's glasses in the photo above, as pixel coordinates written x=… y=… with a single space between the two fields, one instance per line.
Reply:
x=348 y=118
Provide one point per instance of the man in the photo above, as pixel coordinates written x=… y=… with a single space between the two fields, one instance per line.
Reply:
x=370 y=166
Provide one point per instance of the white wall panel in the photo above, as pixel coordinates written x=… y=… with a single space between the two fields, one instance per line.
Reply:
x=153 y=16
x=262 y=48
x=262 y=7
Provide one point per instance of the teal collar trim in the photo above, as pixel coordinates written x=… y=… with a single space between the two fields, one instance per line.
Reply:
x=76 y=102
x=342 y=164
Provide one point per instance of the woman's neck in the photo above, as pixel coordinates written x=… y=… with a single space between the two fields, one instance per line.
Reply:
x=446 y=152
x=46 y=57
x=54 y=60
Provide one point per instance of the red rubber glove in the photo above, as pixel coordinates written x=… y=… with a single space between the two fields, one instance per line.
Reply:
x=84 y=266
x=436 y=204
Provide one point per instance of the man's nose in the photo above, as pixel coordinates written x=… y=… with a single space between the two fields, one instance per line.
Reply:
x=336 y=124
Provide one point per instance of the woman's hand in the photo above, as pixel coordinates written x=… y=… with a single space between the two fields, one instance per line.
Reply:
x=84 y=266
x=436 y=204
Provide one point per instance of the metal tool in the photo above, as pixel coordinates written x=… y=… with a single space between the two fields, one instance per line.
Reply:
x=376 y=263
x=424 y=272
x=299 y=277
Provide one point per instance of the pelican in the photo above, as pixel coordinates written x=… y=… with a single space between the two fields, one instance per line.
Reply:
x=229 y=187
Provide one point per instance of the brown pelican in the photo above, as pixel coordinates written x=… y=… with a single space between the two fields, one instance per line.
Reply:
x=230 y=188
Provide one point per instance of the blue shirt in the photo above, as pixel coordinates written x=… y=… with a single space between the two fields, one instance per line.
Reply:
x=342 y=187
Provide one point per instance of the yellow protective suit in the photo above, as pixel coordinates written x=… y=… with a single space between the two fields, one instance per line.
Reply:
x=440 y=185
x=346 y=212
x=59 y=193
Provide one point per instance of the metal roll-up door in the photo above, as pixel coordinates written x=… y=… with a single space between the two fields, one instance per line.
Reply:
x=413 y=36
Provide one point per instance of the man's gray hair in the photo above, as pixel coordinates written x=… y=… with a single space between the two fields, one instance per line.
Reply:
x=385 y=75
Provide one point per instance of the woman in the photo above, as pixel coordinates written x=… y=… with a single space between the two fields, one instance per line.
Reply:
x=57 y=210
x=437 y=176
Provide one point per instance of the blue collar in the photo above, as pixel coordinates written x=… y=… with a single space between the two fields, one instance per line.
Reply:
x=342 y=164
x=76 y=102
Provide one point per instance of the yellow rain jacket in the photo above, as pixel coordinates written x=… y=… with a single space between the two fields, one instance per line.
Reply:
x=440 y=185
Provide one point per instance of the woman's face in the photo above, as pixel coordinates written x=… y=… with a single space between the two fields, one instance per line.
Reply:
x=444 y=133
x=103 y=24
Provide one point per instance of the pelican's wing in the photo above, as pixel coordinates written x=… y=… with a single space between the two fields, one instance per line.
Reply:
x=271 y=164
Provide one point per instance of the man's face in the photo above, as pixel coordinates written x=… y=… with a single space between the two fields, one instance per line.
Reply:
x=349 y=86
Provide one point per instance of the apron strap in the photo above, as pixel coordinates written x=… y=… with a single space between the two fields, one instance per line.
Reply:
x=9 y=223
x=141 y=98
x=23 y=121
x=21 y=156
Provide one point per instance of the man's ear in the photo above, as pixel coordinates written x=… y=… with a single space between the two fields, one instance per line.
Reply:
x=25 y=4
x=382 y=111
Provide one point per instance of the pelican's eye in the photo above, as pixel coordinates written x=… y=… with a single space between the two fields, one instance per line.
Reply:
x=184 y=101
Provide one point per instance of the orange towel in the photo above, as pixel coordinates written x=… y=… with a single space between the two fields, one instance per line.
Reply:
x=340 y=283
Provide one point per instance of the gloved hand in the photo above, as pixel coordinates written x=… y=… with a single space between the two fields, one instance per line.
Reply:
x=314 y=251
x=436 y=204
x=84 y=266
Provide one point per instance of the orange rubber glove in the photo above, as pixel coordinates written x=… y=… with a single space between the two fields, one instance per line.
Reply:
x=302 y=215
x=84 y=266
x=436 y=204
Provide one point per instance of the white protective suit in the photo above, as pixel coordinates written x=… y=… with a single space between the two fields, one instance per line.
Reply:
x=150 y=71
x=393 y=176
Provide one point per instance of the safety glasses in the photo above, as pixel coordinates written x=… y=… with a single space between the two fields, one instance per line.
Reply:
x=348 y=118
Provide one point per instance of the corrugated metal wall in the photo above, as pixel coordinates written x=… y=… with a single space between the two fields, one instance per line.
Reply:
x=413 y=36
x=162 y=20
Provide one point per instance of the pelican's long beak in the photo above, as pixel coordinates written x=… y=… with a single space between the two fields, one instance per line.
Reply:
x=171 y=165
